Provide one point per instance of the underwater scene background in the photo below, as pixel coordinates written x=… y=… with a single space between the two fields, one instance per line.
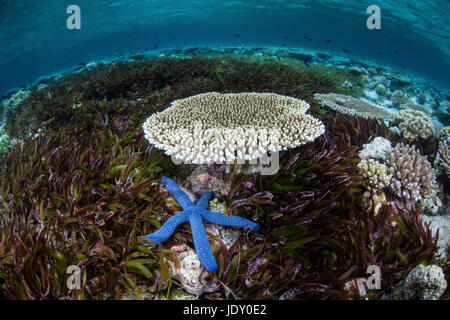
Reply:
x=89 y=146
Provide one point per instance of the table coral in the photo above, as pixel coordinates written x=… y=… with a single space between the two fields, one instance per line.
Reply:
x=352 y=106
x=217 y=128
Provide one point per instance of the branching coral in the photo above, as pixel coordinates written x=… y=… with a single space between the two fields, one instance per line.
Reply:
x=414 y=125
x=412 y=174
x=219 y=128
x=375 y=173
x=352 y=106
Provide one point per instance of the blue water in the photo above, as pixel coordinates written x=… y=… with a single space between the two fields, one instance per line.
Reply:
x=34 y=39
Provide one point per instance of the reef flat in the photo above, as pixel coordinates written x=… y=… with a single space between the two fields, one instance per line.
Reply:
x=80 y=183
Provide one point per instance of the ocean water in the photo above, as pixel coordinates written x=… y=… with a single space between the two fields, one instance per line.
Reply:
x=35 y=41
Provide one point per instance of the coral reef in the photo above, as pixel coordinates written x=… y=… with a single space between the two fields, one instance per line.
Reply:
x=353 y=106
x=414 y=125
x=422 y=283
x=218 y=128
x=375 y=173
x=412 y=174
x=71 y=197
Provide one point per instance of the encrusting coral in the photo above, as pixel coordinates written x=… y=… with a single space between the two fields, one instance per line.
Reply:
x=375 y=173
x=352 y=106
x=377 y=149
x=414 y=125
x=412 y=174
x=422 y=283
x=217 y=128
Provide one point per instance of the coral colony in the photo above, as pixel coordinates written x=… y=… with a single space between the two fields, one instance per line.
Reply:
x=363 y=162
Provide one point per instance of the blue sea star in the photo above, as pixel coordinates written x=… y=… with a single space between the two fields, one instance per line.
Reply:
x=195 y=214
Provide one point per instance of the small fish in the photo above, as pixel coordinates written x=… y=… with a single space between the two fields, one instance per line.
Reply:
x=397 y=51
x=285 y=37
x=345 y=50
x=445 y=37
x=307 y=64
x=236 y=35
x=82 y=63
x=328 y=41
x=379 y=53
x=283 y=45
x=174 y=37
x=307 y=38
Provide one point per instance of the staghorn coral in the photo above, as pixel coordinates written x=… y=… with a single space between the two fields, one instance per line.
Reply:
x=377 y=149
x=352 y=106
x=414 y=125
x=375 y=173
x=412 y=174
x=214 y=128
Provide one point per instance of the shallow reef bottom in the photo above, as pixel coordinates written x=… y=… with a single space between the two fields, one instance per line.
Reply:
x=80 y=184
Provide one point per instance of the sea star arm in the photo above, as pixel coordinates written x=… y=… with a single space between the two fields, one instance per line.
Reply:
x=201 y=242
x=169 y=227
x=177 y=193
x=204 y=200
x=222 y=219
